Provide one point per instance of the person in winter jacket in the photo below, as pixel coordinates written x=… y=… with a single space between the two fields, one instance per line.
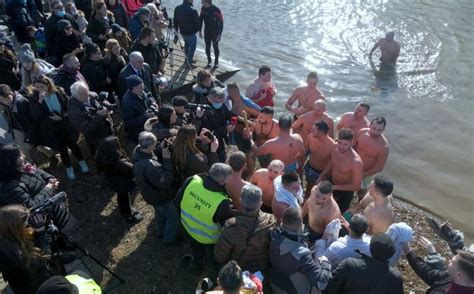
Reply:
x=145 y=44
x=21 y=15
x=8 y=67
x=31 y=68
x=94 y=70
x=66 y=41
x=68 y=73
x=140 y=20
x=115 y=59
x=119 y=12
x=100 y=24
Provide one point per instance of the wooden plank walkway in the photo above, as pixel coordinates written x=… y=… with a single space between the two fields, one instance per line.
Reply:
x=181 y=78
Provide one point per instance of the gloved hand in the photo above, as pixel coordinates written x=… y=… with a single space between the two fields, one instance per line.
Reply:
x=37 y=221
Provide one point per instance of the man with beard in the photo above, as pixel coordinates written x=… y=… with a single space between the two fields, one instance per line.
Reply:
x=321 y=209
x=265 y=128
x=373 y=148
x=263 y=178
x=305 y=122
x=305 y=95
x=345 y=168
x=355 y=120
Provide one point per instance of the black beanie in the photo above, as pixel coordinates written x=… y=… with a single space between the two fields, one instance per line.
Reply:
x=382 y=247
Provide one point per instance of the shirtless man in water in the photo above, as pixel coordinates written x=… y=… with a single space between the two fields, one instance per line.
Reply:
x=345 y=169
x=356 y=120
x=389 y=49
x=305 y=122
x=262 y=90
x=321 y=209
x=320 y=146
x=265 y=127
x=305 y=95
x=372 y=147
x=263 y=178
x=287 y=147
x=379 y=212
x=235 y=183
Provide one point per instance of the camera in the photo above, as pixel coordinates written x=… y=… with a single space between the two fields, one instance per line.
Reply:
x=210 y=136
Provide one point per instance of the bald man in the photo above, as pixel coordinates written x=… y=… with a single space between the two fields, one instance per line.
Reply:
x=263 y=178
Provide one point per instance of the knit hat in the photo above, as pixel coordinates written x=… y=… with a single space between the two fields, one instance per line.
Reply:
x=179 y=101
x=63 y=24
x=143 y=11
x=26 y=54
x=56 y=285
x=133 y=81
x=116 y=28
x=382 y=247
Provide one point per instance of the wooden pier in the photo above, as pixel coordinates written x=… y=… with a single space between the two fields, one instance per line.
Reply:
x=181 y=78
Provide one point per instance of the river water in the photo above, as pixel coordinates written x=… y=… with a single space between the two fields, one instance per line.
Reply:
x=428 y=103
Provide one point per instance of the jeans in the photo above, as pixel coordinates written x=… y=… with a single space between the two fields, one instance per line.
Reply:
x=190 y=43
x=167 y=219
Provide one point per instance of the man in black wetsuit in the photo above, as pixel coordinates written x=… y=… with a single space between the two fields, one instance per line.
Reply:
x=214 y=24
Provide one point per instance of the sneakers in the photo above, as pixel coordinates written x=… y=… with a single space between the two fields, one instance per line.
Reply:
x=134 y=218
x=84 y=167
x=70 y=173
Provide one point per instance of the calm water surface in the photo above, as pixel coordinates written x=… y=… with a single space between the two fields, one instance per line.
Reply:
x=428 y=103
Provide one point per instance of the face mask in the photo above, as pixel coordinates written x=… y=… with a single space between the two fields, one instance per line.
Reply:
x=60 y=13
x=217 y=105
x=74 y=12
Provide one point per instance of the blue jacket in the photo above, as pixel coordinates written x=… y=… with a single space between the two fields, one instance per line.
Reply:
x=186 y=19
x=133 y=113
x=135 y=26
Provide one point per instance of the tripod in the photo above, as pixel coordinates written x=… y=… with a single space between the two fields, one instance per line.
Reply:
x=60 y=264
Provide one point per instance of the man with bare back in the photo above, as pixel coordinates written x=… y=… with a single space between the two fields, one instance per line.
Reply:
x=235 y=183
x=262 y=90
x=305 y=122
x=320 y=147
x=355 y=120
x=379 y=212
x=265 y=127
x=389 y=49
x=345 y=170
x=287 y=147
x=372 y=147
x=321 y=209
x=305 y=95
x=263 y=178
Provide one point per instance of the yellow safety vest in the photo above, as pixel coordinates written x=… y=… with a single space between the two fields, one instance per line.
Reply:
x=197 y=209
x=85 y=286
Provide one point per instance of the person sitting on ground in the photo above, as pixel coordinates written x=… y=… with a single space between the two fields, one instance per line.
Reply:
x=189 y=160
x=346 y=246
x=120 y=14
x=204 y=83
x=146 y=45
x=457 y=278
x=305 y=95
x=154 y=181
x=22 y=183
x=262 y=89
x=234 y=186
x=88 y=116
x=140 y=20
x=66 y=41
x=100 y=22
x=68 y=73
x=371 y=275
x=321 y=209
x=264 y=178
x=288 y=193
x=205 y=206
x=49 y=112
x=112 y=161
x=355 y=120
x=264 y=128
x=246 y=238
x=22 y=248
x=115 y=59
x=287 y=147
x=389 y=49
x=95 y=72
x=292 y=268
x=31 y=68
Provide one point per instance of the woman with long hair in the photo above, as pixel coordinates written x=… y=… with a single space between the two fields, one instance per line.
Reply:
x=188 y=158
x=99 y=27
x=48 y=110
x=8 y=68
x=115 y=60
x=113 y=163
x=30 y=67
x=21 y=261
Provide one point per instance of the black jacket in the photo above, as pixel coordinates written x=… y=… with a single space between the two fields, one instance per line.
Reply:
x=365 y=275
x=49 y=132
x=93 y=126
x=51 y=31
x=20 y=16
x=17 y=117
x=65 y=44
x=146 y=75
x=217 y=120
x=186 y=19
x=151 y=54
x=114 y=65
x=121 y=17
x=120 y=176
x=97 y=27
x=95 y=73
x=213 y=21
x=7 y=76
x=154 y=180
x=133 y=114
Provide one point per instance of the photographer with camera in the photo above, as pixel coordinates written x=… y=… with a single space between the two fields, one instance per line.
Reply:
x=23 y=183
x=88 y=116
x=135 y=107
x=163 y=125
x=188 y=113
x=217 y=120
x=22 y=246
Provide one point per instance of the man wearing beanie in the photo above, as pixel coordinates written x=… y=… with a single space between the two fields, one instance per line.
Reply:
x=134 y=107
x=179 y=104
x=368 y=275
